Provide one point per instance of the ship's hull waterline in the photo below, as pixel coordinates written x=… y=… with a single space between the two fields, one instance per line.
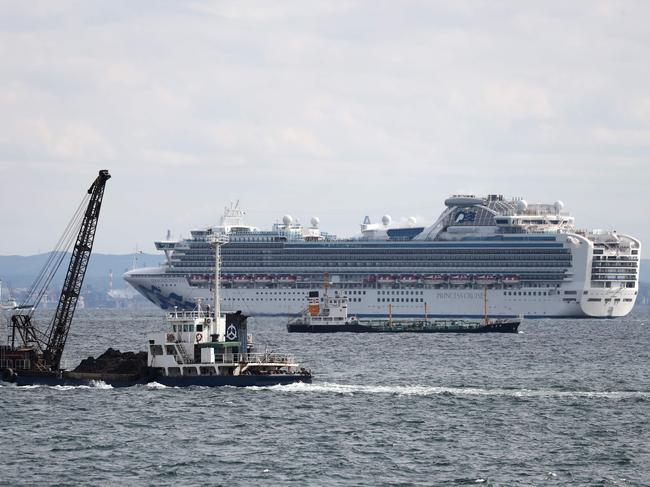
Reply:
x=404 y=303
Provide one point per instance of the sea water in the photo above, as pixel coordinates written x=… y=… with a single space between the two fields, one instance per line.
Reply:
x=563 y=402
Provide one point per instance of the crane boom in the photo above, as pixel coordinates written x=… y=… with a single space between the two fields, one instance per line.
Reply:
x=75 y=276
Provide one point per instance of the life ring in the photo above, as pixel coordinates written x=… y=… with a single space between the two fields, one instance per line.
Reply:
x=199 y=337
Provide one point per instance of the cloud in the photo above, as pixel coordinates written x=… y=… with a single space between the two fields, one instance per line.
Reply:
x=338 y=109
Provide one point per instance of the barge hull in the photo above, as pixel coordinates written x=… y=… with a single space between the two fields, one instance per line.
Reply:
x=509 y=326
x=127 y=380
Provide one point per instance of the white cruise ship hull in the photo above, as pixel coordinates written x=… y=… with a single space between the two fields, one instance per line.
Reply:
x=168 y=292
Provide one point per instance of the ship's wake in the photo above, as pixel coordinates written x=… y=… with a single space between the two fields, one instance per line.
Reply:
x=417 y=390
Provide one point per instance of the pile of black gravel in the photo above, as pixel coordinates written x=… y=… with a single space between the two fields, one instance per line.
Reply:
x=114 y=362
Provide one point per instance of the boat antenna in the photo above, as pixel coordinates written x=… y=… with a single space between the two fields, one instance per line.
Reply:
x=485 y=305
x=218 y=241
x=326 y=281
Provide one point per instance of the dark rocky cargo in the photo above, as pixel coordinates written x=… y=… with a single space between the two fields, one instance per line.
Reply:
x=114 y=362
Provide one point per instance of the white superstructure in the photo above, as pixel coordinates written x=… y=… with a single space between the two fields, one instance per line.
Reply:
x=531 y=258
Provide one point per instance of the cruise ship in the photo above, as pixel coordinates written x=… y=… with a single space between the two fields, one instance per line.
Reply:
x=488 y=254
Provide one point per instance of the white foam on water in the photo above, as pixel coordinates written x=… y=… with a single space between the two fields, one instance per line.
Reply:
x=415 y=390
x=100 y=384
x=156 y=385
x=68 y=388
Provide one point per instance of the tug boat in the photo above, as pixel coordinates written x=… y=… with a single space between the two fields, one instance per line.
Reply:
x=199 y=350
x=333 y=317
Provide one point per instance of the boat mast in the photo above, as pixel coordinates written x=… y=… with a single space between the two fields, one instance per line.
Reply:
x=217 y=241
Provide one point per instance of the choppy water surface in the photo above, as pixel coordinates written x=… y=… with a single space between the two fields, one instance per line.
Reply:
x=565 y=402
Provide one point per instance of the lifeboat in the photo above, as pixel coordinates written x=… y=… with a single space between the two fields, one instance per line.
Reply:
x=198 y=280
x=436 y=279
x=386 y=279
x=287 y=279
x=263 y=279
x=241 y=280
x=408 y=279
x=486 y=279
x=459 y=279
x=510 y=279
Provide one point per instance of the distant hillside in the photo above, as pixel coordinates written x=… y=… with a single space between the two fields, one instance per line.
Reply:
x=19 y=271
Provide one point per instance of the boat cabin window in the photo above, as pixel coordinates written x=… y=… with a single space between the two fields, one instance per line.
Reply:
x=174 y=371
x=170 y=350
x=156 y=349
x=199 y=327
x=207 y=370
x=189 y=371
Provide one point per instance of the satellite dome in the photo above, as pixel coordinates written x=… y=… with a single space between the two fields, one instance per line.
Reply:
x=522 y=205
x=412 y=220
x=287 y=220
x=558 y=206
x=386 y=219
x=315 y=221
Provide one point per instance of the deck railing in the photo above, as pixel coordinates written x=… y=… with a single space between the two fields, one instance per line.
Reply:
x=255 y=358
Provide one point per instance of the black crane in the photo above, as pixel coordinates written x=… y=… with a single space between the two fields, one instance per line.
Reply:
x=48 y=346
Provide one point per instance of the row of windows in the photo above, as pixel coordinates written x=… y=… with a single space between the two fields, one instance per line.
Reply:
x=380 y=266
x=616 y=258
x=209 y=252
x=614 y=264
x=525 y=293
x=400 y=292
x=357 y=279
x=400 y=300
x=380 y=255
x=614 y=270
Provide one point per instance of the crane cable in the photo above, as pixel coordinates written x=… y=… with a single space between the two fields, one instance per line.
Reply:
x=42 y=282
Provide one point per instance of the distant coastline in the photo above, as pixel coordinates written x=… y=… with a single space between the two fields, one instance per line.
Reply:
x=17 y=273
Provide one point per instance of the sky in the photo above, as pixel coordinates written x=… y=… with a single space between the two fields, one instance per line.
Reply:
x=335 y=109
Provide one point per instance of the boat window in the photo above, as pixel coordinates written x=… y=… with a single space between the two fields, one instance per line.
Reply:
x=170 y=350
x=174 y=371
x=199 y=327
x=156 y=349
x=189 y=371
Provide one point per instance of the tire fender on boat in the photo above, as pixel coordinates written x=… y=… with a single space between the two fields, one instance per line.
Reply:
x=199 y=337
